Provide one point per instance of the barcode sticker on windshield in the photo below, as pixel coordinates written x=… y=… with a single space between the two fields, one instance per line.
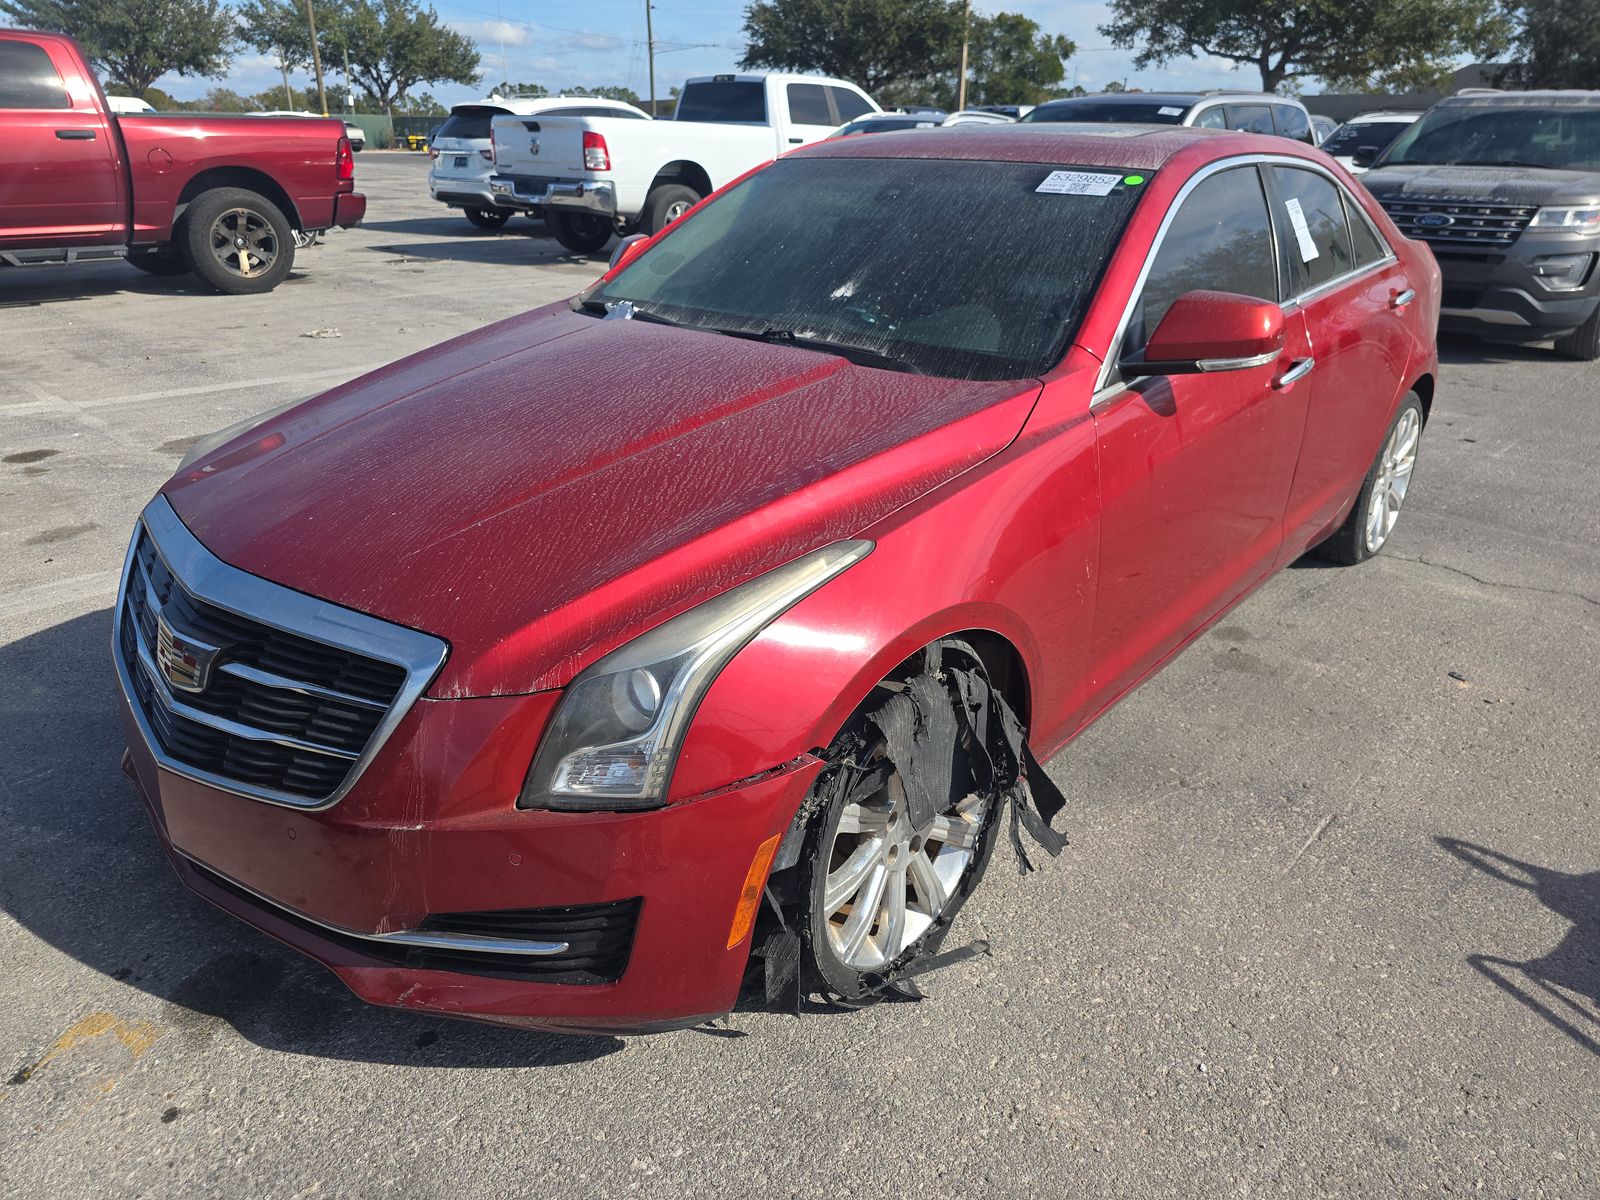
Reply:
x=1166 y=110
x=1302 y=231
x=1078 y=183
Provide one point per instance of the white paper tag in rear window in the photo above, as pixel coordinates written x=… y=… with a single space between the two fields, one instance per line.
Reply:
x=1302 y=232
x=1166 y=110
x=1078 y=183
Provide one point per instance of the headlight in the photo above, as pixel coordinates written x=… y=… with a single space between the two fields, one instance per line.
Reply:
x=616 y=734
x=1567 y=218
x=205 y=445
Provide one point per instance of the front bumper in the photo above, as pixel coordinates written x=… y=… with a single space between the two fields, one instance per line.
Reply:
x=528 y=192
x=1496 y=294
x=432 y=828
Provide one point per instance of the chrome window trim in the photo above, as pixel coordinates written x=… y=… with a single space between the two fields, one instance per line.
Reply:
x=420 y=938
x=206 y=577
x=1105 y=387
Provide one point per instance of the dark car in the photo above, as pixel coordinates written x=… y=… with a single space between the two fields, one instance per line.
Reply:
x=1248 y=112
x=1505 y=188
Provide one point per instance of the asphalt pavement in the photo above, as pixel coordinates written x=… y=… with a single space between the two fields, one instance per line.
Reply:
x=1329 y=924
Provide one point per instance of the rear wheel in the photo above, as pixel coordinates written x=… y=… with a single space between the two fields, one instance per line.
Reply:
x=1583 y=343
x=582 y=233
x=665 y=205
x=1377 y=508
x=237 y=241
x=487 y=218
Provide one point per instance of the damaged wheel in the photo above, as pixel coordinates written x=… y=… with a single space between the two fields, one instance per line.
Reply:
x=903 y=839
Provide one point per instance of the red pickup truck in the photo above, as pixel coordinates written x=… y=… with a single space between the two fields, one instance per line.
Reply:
x=224 y=198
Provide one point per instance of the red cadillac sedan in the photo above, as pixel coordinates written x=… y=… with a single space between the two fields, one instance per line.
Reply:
x=574 y=673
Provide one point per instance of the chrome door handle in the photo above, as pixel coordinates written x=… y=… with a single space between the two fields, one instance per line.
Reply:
x=1299 y=369
x=1401 y=299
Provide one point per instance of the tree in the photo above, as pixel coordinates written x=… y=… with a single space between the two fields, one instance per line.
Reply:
x=1365 y=43
x=1013 y=62
x=504 y=88
x=1557 y=45
x=877 y=44
x=135 y=42
x=395 y=45
x=626 y=95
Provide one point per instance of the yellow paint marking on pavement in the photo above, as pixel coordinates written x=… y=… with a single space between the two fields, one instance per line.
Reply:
x=135 y=1036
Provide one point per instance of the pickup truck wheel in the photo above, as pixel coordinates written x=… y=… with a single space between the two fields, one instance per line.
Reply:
x=1583 y=343
x=582 y=233
x=1377 y=508
x=159 y=262
x=665 y=205
x=237 y=241
x=880 y=890
x=487 y=218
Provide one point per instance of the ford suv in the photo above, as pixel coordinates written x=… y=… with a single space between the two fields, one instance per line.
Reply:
x=1505 y=187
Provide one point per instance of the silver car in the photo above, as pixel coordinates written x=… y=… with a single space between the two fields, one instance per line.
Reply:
x=463 y=153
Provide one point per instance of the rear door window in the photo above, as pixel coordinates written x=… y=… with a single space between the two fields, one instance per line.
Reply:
x=28 y=79
x=1210 y=118
x=808 y=105
x=724 y=100
x=1250 y=118
x=849 y=104
x=1312 y=229
x=1221 y=241
x=1293 y=123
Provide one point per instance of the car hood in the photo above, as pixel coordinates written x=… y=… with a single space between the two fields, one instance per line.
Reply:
x=542 y=489
x=1501 y=185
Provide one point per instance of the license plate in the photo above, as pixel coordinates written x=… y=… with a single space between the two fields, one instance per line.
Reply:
x=461 y=160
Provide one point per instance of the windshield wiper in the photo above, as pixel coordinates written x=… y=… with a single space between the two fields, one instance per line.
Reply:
x=856 y=354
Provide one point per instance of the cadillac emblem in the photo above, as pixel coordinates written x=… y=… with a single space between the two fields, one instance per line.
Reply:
x=184 y=661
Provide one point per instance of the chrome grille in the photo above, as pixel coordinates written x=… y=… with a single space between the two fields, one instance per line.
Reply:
x=249 y=686
x=1470 y=223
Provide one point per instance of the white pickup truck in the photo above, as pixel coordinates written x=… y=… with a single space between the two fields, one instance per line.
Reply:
x=599 y=176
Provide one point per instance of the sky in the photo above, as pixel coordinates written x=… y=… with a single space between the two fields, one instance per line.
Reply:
x=600 y=42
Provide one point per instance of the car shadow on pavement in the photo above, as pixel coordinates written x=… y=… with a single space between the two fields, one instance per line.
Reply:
x=82 y=871
x=1562 y=985
x=501 y=249
x=1457 y=349
x=454 y=224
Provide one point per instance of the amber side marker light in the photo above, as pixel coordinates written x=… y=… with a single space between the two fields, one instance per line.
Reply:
x=744 y=915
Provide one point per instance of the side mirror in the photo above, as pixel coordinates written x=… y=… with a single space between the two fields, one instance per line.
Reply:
x=1204 y=332
x=627 y=249
x=1365 y=156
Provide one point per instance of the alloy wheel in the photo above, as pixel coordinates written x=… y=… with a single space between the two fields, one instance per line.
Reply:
x=244 y=242
x=887 y=882
x=1394 y=477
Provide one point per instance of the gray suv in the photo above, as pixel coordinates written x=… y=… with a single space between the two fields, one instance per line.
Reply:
x=1249 y=112
x=1505 y=188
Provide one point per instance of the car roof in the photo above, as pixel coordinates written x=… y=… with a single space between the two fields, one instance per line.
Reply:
x=1572 y=98
x=1066 y=143
x=527 y=106
x=1158 y=98
x=1359 y=118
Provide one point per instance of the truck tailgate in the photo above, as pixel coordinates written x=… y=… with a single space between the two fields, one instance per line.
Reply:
x=542 y=147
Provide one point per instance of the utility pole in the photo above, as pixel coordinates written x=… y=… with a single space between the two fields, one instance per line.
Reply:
x=961 y=83
x=316 y=58
x=650 y=53
x=288 y=96
x=349 y=92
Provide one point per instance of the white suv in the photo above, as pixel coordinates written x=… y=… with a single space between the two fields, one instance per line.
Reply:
x=463 y=154
x=1375 y=130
